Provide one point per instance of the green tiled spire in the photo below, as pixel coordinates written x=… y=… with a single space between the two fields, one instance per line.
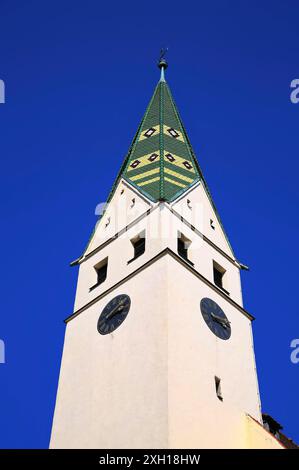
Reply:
x=160 y=162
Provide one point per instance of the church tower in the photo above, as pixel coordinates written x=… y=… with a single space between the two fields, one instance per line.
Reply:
x=158 y=352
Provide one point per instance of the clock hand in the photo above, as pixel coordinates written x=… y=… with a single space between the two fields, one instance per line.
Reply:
x=223 y=321
x=117 y=309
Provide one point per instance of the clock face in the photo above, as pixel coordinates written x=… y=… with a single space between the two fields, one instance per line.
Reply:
x=114 y=314
x=215 y=318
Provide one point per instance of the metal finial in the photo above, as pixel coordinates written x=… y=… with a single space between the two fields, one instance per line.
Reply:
x=162 y=61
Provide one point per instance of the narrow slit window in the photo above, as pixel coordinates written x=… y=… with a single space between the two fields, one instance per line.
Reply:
x=183 y=247
x=218 y=273
x=101 y=272
x=218 y=388
x=138 y=245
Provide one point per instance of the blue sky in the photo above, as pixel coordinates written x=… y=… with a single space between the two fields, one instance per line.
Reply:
x=78 y=77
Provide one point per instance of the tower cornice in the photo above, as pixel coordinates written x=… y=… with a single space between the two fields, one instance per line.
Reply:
x=81 y=259
x=165 y=252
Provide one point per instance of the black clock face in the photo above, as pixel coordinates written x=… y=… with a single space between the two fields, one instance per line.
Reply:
x=114 y=314
x=215 y=318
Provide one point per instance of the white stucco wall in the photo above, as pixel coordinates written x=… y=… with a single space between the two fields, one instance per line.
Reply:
x=113 y=389
x=125 y=206
x=197 y=418
x=199 y=211
x=151 y=383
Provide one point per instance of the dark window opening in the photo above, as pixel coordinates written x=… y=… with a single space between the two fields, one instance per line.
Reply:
x=218 y=388
x=101 y=270
x=138 y=245
x=182 y=248
x=102 y=274
x=218 y=277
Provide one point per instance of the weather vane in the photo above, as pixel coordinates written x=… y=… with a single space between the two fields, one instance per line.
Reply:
x=162 y=61
x=163 y=53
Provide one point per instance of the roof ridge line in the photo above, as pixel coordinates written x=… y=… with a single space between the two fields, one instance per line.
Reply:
x=161 y=137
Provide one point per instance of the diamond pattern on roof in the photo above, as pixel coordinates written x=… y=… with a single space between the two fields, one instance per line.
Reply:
x=160 y=162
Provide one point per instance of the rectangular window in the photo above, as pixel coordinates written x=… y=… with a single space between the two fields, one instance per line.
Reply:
x=218 y=388
x=101 y=271
x=138 y=245
x=219 y=275
x=183 y=247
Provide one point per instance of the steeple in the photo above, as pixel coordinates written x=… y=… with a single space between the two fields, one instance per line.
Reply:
x=159 y=289
x=160 y=162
